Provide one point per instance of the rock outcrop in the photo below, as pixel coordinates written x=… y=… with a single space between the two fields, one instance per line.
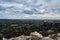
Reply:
x=36 y=36
x=47 y=38
x=55 y=36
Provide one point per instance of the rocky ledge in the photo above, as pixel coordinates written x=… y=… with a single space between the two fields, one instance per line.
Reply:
x=36 y=36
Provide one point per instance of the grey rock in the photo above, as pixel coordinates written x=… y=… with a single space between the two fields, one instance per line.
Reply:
x=55 y=36
x=47 y=38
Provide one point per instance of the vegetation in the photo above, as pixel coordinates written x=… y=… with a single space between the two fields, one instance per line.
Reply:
x=13 y=28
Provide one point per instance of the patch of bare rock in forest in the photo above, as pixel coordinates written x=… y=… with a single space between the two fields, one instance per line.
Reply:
x=36 y=36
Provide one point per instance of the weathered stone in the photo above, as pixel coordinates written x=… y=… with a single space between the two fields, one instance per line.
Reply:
x=35 y=38
x=4 y=39
x=36 y=34
x=55 y=36
x=20 y=38
x=58 y=34
x=47 y=38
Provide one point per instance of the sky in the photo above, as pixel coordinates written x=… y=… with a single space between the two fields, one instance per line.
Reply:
x=29 y=9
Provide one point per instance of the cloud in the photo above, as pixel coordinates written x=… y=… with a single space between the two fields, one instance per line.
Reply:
x=33 y=16
x=29 y=9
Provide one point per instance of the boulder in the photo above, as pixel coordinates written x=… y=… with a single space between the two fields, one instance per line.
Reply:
x=55 y=36
x=5 y=39
x=47 y=38
x=58 y=34
x=36 y=34
x=21 y=38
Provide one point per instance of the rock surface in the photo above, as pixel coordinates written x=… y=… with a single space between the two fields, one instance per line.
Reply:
x=55 y=36
x=47 y=38
x=36 y=36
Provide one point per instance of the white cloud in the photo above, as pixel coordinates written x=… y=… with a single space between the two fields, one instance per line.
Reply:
x=15 y=9
x=33 y=16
